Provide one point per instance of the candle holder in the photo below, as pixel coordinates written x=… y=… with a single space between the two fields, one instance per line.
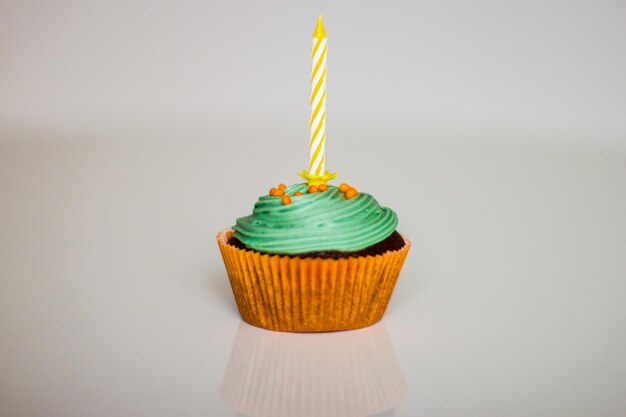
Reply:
x=313 y=179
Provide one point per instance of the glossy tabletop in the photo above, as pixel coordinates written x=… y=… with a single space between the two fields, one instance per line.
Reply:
x=114 y=300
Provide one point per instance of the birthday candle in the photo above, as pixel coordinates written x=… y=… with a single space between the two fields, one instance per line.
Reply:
x=318 y=101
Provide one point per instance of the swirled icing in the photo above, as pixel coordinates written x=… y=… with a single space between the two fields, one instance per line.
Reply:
x=315 y=222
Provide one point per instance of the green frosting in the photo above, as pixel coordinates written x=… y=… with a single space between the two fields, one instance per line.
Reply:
x=315 y=222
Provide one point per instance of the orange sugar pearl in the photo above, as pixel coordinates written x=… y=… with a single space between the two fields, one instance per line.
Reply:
x=276 y=192
x=351 y=193
x=313 y=189
x=282 y=186
x=297 y=193
x=286 y=200
x=344 y=187
x=322 y=187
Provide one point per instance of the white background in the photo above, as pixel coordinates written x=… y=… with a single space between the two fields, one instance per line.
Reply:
x=551 y=71
x=132 y=132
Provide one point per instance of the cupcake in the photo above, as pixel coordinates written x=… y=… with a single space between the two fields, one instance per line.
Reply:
x=313 y=257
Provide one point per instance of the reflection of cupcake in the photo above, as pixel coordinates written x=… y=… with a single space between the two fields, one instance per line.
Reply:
x=314 y=257
x=323 y=262
x=347 y=374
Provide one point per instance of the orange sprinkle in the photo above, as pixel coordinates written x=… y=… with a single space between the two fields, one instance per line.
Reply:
x=297 y=193
x=351 y=193
x=272 y=191
x=322 y=187
x=282 y=186
x=286 y=199
x=313 y=189
x=276 y=192
x=344 y=187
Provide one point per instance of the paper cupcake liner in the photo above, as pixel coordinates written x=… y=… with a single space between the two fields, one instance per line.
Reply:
x=345 y=374
x=310 y=294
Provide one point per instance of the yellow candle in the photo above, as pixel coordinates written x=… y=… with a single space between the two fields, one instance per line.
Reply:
x=316 y=174
x=318 y=101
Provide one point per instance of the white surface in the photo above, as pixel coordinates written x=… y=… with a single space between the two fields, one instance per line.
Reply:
x=114 y=300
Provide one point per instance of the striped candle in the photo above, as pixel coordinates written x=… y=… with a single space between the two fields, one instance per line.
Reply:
x=318 y=101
